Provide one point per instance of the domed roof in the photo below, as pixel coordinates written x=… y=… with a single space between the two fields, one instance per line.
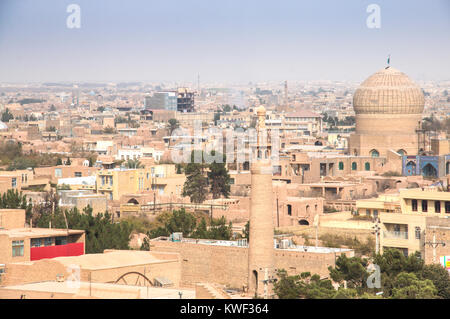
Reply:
x=388 y=91
x=3 y=126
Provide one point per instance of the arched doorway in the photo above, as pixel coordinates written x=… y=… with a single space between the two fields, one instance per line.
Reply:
x=367 y=166
x=303 y=222
x=411 y=168
x=429 y=171
x=255 y=281
x=133 y=201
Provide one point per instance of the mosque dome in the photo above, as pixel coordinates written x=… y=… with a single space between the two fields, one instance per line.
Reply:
x=388 y=91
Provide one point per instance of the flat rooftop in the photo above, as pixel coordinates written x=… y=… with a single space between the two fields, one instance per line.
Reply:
x=107 y=290
x=115 y=259
x=38 y=232
x=230 y=243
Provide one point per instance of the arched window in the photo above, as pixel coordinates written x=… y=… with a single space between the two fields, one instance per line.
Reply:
x=341 y=166
x=354 y=166
x=367 y=166
x=401 y=152
x=374 y=153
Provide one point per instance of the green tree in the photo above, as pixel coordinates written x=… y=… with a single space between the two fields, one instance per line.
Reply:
x=218 y=177
x=14 y=199
x=352 y=270
x=7 y=115
x=101 y=232
x=287 y=287
x=173 y=125
x=145 y=244
x=196 y=184
x=440 y=278
x=59 y=161
x=134 y=163
x=109 y=130
x=408 y=286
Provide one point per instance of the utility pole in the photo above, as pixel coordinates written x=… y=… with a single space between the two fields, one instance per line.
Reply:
x=316 y=223
x=211 y=213
x=278 y=214
x=434 y=245
x=376 y=231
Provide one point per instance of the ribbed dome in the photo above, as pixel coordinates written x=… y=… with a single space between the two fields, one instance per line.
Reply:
x=388 y=91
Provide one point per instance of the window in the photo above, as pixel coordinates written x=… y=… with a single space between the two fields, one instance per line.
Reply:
x=48 y=241
x=367 y=212
x=17 y=248
x=341 y=166
x=354 y=166
x=437 y=206
x=289 y=207
x=77 y=174
x=367 y=166
x=13 y=182
x=447 y=207
x=375 y=213
x=58 y=172
x=60 y=240
x=417 y=232
x=414 y=205
x=36 y=242
x=424 y=206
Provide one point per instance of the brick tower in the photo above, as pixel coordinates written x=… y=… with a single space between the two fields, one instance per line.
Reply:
x=261 y=245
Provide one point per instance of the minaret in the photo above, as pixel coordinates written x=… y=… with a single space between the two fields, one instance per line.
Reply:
x=261 y=245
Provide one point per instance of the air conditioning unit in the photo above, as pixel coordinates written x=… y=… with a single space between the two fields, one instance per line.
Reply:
x=177 y=236
x=284 y=244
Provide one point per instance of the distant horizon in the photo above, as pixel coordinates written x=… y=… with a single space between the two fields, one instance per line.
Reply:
x=223 y=42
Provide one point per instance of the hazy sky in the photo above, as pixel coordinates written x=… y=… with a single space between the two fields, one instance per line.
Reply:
x=226 y=40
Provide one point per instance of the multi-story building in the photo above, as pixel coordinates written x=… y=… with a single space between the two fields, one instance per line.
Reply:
x=404 y=217
x=119 y=181
x=185 y=100
x=162 y=101
x=19 y=243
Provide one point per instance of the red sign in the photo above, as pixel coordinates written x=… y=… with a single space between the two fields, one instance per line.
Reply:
x=75 y=249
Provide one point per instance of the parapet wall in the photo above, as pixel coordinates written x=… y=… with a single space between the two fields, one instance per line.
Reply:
x=228 y=266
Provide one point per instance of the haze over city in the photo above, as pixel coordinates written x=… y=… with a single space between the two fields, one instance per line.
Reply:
x=223 y=41
x=243 y=151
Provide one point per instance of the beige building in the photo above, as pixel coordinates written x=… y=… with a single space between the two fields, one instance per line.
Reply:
x=388 y=107
x=403 y=217
x=19 y=243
